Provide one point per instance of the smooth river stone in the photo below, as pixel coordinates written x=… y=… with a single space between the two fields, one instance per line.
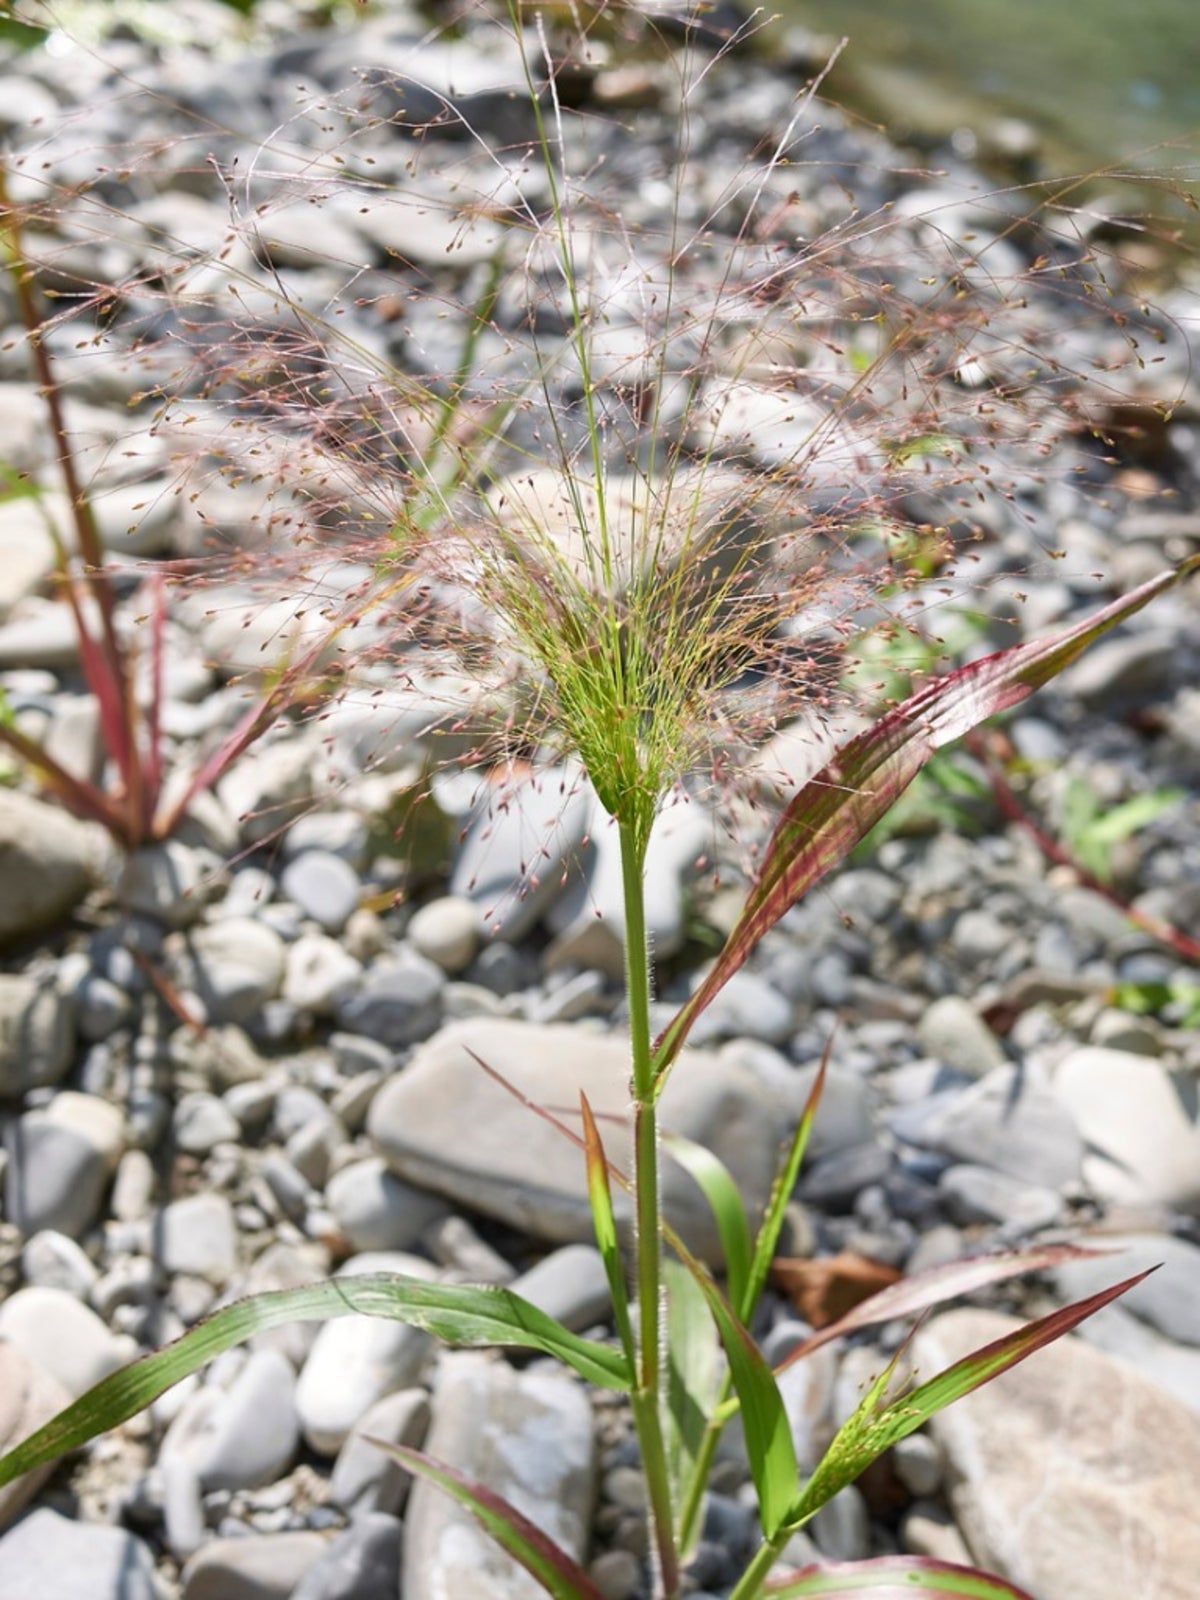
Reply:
x=445 y=1125
x=1071 y=1475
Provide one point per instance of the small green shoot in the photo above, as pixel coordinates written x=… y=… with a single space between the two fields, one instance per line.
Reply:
x=1092 y=831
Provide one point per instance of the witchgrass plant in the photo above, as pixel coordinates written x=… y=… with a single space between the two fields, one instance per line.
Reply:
x=146 y=801
x=678 y=1428
x=677 y=586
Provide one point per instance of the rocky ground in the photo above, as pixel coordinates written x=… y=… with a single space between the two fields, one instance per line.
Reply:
x=242 y=1060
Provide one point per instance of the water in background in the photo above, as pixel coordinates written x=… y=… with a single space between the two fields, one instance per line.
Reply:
x=1100 y=80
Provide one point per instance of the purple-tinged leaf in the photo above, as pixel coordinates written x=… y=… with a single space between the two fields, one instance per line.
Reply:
x=103 y=670
x=153 y=764
x=933 y=1287
x=261 y=715
x=80 y=797
x=559 y=1574
x=877 y=1425
x=893 y=1578
x=869 y=773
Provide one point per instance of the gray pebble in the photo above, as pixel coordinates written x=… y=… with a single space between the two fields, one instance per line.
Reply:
x=367 y=1479
x=254 y=1567
x=201 y=1122
x=918 y=1465
x=570 y=1285
x=361 y=1564
x=842 y=1527
x=51 y=1557
x=60 y=1162
x=446 y=931
x=396 y=1005
x=617 y=1574
x=324 y=886
x=37 y=1033
x=54 y=1261
x=377 y=1211
x=197 y=1235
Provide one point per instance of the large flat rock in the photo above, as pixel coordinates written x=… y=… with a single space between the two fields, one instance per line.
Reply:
x=444 y=1124
x=1071 y=1475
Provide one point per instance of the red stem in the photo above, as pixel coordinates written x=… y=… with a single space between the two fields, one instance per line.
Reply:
x=1182 y=944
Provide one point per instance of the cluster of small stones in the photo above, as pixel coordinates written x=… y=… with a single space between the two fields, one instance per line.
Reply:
x=319 y=1110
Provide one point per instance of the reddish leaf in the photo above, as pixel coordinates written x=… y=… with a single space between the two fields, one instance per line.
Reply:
x=261 y=715
x=893 y=1578
x=153 y=766
x=827 y=1288
x=557 y=1572
x=79 y=796
x=924 y=1290
x=981 y=1366
x=865 y=778
x=104 y=670
x=879 y=1424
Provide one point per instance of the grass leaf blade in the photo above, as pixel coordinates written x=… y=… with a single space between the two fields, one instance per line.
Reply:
x=876 y=1426
x=865 y=777
x=694 y=1379
x=924 y=1290
x=456 y=1313
x=768 y=1432
x=714 y=1179
x=767 y=1242
x=894 y=1578
x=557 y=1572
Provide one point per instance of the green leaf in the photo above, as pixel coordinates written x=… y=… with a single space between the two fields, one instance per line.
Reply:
x=767 y=1242
x=1093 y=841
x=694 y=1375
x=456 y=1313
x=869 y=773
x=20 y=35
x=714 y=1179
x=557 y=1572
x=945 y=445
x=1148 y=999
x=604 y=1223
x=876 y=1427
x=1123 y=821
x=768 y=1434
x=893 y=1578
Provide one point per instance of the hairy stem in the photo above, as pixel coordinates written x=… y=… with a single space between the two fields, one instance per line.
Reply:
x=646 y=1407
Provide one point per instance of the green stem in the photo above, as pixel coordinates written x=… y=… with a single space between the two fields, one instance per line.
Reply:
x=756 y=1574
x=646 y=1404
x=689 y=1515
